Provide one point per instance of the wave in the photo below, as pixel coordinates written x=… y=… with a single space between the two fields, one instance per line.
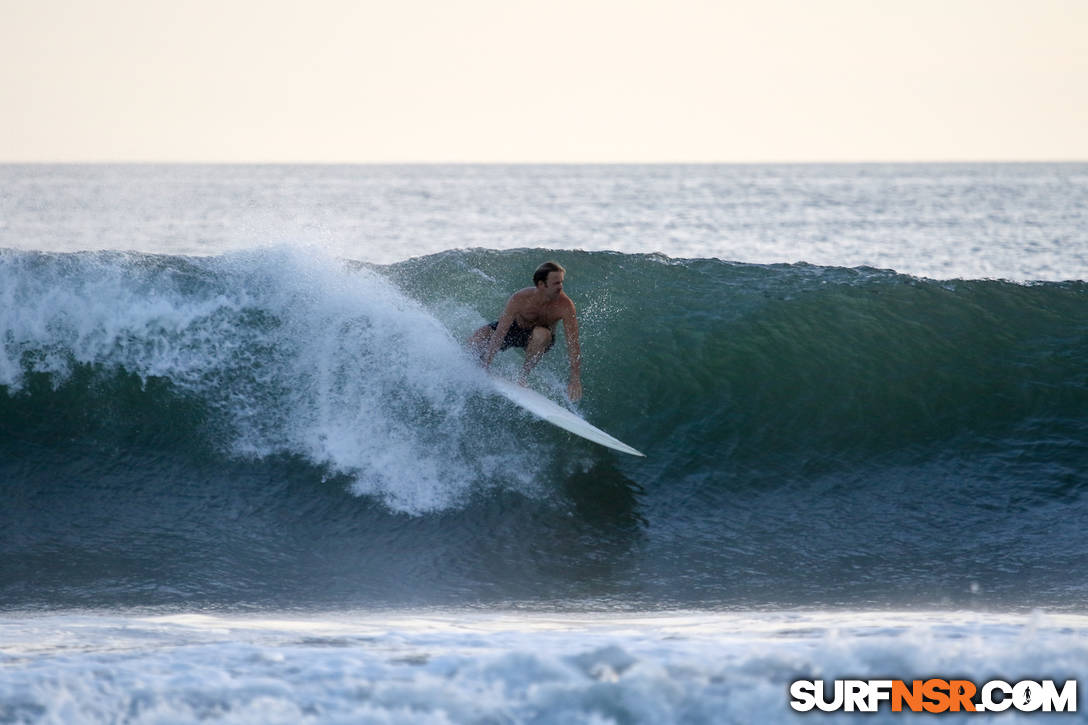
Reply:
x=189 y=424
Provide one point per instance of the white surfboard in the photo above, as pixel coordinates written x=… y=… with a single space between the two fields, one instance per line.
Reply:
x=557 y=415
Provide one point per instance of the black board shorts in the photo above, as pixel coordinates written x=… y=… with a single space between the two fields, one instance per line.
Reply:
x=517 y=336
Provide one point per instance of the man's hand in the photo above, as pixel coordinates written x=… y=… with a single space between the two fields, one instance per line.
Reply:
x=574 y=390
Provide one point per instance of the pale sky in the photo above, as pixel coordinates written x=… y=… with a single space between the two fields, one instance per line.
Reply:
x=549 y=81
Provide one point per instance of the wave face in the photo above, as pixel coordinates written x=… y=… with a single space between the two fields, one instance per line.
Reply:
x=279 y=427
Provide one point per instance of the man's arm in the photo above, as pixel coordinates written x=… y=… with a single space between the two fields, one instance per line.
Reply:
x=574 y=352
x=505 y=320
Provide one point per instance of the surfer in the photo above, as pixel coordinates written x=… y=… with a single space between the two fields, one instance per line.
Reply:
x=529 y=321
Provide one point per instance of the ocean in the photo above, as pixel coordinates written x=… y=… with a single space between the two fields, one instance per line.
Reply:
x=250 y=474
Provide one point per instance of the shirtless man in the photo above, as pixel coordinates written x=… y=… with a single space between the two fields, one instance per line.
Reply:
x=529 y=321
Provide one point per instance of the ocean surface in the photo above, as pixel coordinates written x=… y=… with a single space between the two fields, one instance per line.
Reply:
x=249 y=474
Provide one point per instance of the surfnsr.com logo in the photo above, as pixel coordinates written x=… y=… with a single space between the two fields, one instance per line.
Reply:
x=933 y=695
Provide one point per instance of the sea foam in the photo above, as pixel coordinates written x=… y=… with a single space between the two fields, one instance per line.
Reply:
x=294 y=351
x=476 y=667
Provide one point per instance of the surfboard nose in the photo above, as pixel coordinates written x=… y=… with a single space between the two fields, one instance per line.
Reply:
x=557 y=415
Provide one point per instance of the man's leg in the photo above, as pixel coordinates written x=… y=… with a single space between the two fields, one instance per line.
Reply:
x=540 y=341
x=479 y=340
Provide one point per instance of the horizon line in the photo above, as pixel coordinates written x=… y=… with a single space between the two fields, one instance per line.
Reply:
x=298 y=162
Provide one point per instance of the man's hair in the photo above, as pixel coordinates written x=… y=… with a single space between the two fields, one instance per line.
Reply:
x=542 y=272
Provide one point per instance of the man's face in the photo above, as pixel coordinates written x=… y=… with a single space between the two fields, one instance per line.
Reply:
x=553 y=285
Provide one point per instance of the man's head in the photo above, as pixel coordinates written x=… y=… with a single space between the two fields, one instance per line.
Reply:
x=549 y=278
